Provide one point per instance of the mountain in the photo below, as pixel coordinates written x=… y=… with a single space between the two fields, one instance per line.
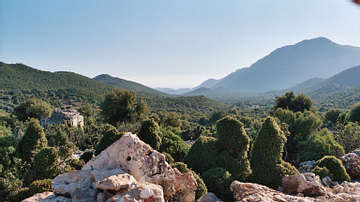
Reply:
x=293 y=64
x=183 y=91
x=20 y=76
x=126 y=85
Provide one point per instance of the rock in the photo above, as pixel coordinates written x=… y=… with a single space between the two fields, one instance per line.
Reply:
x=138 y=159
x=327 y=181
x=65 y=184
x=352 y=165
x=306 y=166
x=104 y=196
x=357 y=152
x=208 y=197
x=347 y=191
x=308 y=184
x=84 y=195
x=46 y=197
x=112 y=180
x=256 y=192
x=185 y=186
x=141 y=191
x=116 y=182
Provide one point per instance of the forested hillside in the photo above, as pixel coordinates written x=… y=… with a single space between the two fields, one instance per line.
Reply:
x=20 y=76
x=127 y=85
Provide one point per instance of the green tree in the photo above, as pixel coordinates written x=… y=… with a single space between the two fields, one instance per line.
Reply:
x=119 y=106
x=45 y=164
x=349 y=137
x=33 y=108
x=332 y=115
x=150 y=134
x=234 y=142
x=32 y=142
x=174 y=145
x=217 y=115
x=319 y=145
x=203 y=154
x=294 y=103
x=218 y=181
x=110 y=136
x=354 y=114
x=267 y=165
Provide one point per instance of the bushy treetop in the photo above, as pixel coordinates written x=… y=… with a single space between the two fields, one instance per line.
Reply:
x=354 y=114
x=294 y=103
x=33 y=108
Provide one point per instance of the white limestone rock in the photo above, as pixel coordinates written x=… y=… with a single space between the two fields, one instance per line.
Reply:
x=140 y=191
x=138 y=159
x=65 y=184
x=47 y=197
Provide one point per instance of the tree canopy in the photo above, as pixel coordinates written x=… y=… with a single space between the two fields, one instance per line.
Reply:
x=33 y=108
x=294 y=103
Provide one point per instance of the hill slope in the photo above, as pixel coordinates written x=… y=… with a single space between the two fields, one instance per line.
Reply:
x=126 y=85
x=19 y=76
x=290 y=65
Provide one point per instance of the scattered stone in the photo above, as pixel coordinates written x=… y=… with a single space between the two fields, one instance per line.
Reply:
x=357 y=152
x=308 y=184
x=112 y=180
x=256 y=192
x=104 y=196
x=141 y=191
x=47 y=197
x=185 y=186
x=208 y=197
x=327 y=181
x=306 y=166
x=352 y=164
x=84 y=195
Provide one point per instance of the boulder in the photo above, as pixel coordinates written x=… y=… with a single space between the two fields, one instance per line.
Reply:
x=47 y=197
x=255 y=192
x=327 y=181
x=185 y=186
x=112 y=180
x=65 y=184
x=306 y=166
x=352 y=165
x=308 y=184
x=104 y=196
x=84 y=195
x=357 y=152
x=141 y=191
x=208 y=197
x=138 y=159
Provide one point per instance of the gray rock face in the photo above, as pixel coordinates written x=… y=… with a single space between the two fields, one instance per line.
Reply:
x=308 y=183
x=352 y=164
x=306 y=166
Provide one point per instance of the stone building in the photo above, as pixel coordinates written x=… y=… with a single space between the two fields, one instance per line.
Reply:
x=59 y=116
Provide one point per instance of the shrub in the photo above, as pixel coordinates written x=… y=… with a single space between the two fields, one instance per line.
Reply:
x=174 y=145
x=87 y=156
x=322 y=172
x=319 y=145
x=201 y=189
x=76 y=164
x=45 y=163
x=168 y=158
x=354 y=114
x=32 y=142
x=335 y=167
x=235 y=145
x=267 y=165
x=28 y=177
x=218 y=181
x=110 y=136
x=35 y=187
x=150 y=134
x=203 y=154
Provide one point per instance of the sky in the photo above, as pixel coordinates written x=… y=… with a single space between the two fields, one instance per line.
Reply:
x=174 y=44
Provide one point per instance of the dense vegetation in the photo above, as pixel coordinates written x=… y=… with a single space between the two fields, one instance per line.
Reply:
x=218 y=142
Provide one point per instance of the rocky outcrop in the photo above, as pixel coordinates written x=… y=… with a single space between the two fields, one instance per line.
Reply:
x=129 y=170
x=185 y=186
x=139 y=160
x=308 y=184
x=256 y=192
x=306 y=166
x=352 y=164
x=47 y=197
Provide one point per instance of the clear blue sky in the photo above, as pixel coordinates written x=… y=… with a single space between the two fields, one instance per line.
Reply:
x=165 y=43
